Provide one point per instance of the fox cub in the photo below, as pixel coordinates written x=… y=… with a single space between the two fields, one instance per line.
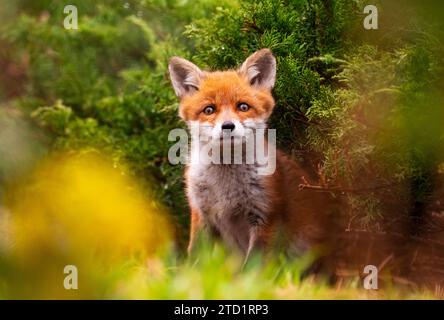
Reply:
x=247 y=210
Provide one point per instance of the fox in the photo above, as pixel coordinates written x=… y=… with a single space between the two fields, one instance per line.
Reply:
x=247 y=210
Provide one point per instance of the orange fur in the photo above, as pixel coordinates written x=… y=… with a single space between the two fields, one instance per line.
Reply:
x=297 y=216
x=225 y=90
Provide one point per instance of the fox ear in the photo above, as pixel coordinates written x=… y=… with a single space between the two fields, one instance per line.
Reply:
x=185 y=76
x=260 y=69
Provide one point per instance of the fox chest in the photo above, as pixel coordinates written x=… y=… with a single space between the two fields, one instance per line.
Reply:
x=231 y=200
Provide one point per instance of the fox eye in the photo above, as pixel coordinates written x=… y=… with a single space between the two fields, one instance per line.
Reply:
x=243 y=107
x=209 y=110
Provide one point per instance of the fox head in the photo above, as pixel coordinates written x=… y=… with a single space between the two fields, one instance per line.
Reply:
x=225 y=103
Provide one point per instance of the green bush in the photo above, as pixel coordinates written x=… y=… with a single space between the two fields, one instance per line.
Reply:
x=105 y=86
x=358 y=109
x=361 y=111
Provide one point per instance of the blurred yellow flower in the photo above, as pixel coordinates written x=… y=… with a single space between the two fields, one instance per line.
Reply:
x=83 y=211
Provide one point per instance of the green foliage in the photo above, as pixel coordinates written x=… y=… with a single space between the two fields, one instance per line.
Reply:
x=360 y=111
x=357 y=109
x=304 y=36
x=105 y=86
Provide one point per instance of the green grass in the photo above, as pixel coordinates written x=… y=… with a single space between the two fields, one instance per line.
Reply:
x=215 y=274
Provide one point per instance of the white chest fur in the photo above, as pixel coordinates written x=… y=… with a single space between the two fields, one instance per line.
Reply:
x=230 y=198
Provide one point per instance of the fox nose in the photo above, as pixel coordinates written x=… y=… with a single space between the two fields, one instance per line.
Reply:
x=228 y=125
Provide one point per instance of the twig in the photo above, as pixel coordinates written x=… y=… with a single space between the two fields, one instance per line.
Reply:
x=341 y=190
x=386 y=260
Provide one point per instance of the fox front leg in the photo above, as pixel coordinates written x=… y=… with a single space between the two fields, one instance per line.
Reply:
x=195 y=228
x=252 y=242
x=257 y=222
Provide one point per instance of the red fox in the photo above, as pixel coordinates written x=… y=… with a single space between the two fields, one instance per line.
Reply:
x=247 y=210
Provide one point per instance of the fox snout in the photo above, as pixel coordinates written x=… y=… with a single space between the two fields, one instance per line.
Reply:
x=228 y=125
x=233 y=129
